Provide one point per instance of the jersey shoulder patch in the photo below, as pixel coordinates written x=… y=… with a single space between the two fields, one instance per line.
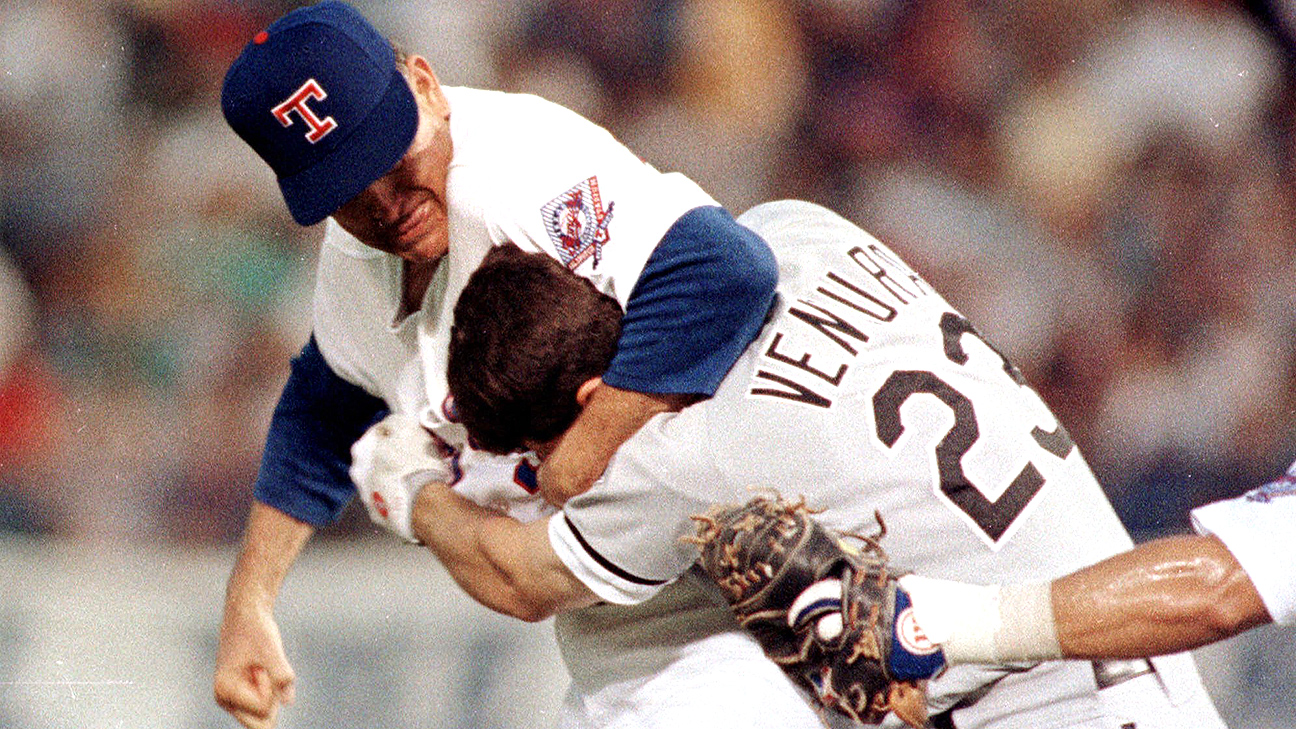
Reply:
x=577 y=223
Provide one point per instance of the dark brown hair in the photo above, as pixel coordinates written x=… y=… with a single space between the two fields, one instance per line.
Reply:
x=527 y=333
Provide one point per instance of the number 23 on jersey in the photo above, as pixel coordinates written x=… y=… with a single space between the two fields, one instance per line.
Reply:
x=990 y=517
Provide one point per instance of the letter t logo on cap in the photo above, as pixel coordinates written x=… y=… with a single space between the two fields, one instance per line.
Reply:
x=297 y=102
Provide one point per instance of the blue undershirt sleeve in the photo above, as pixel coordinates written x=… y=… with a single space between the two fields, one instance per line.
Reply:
x=702 y=298
x=308 y=449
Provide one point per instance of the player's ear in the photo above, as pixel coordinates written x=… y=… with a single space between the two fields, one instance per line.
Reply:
x=586 y=390
x=421 y=77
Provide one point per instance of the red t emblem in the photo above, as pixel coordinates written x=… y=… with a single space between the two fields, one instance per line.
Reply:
x=297 y=102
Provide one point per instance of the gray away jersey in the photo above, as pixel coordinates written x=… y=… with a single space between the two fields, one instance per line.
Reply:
x=866 y=391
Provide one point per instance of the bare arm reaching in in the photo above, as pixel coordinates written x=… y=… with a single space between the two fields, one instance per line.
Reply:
x=1164 y=596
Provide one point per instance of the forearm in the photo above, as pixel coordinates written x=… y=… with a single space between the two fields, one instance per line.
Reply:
x=1165 y=596
x=1168 y=595
x=253 y=676
x=610 y=417
x=500 y=562
x=272 y=541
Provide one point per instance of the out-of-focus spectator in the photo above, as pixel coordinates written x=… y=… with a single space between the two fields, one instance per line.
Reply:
x=627 y=46
x=24 y=402
x=159 y=280
x=62 y=124
x=719 y=124
x=19 y=309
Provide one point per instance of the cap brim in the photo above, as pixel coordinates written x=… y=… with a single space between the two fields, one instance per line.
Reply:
x=366 y=154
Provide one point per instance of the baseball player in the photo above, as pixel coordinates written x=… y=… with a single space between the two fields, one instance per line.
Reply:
x=864 y=391
x=1167 y=595
x=417 y=181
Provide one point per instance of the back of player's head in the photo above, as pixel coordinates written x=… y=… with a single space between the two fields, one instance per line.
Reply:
x=527 y=333
x=320 y=97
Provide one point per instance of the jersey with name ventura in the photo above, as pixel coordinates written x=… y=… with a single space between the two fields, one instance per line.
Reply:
x=524 y=170
x=866 y=391
x=1259 y=528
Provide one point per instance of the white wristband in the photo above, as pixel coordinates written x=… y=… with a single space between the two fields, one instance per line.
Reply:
x=1028 y=631
x=985 y=624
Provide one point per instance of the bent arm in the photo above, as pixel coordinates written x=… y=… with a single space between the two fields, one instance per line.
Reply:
x=608 y=420
x=701 y=299
x=504 y=564
x=1165 y=596
x=302 y=484
x=308 y=449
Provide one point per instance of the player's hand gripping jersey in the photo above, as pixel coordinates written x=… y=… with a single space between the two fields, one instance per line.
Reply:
x=866 y=391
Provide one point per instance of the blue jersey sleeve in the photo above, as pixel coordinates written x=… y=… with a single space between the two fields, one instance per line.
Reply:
x=701 y=299
x=308 y=450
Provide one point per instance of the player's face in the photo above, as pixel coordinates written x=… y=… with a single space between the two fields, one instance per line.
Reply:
x=404 y=211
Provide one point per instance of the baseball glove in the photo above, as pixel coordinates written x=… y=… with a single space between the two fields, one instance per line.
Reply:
x=774 y=561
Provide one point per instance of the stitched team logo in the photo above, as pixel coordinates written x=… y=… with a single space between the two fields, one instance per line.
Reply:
x=1285 y=486
x=317 y=128
x=578 y=224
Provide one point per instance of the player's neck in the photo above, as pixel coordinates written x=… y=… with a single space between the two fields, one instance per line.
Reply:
x=415 y=279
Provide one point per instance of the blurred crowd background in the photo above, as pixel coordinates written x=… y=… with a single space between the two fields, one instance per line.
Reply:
x=1104 y=186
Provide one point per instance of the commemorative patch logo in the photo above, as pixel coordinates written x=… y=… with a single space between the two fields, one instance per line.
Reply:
x=577 y=223
x=1285 y=486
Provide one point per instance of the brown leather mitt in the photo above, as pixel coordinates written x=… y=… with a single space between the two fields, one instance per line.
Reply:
x=774 y=563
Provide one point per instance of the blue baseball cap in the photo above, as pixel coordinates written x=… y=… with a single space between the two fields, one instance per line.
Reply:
x=318 y=95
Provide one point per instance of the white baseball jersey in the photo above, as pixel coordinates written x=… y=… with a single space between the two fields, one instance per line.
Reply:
x=584 y=199
x=867 y=391
x=1259 y=528
x=586 y=180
